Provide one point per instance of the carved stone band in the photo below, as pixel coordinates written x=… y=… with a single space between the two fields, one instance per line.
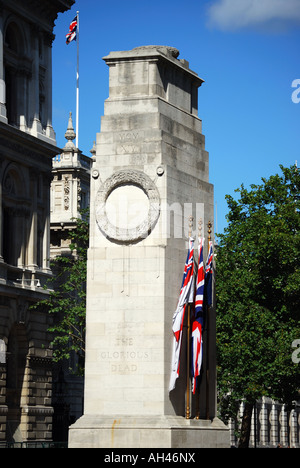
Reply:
x=124 y=178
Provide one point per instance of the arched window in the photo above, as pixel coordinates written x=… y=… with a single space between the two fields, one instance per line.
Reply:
x=13 y=38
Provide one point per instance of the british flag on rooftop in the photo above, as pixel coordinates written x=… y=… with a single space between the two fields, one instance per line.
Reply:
x=186 y=297
x=71 y=36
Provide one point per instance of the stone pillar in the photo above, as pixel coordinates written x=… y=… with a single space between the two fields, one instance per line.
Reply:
x=33 y=226
x=297 y=426
x=35 y=94
x=3 y=406
x=253 y=432
x=150 y=159
x=263 y=417
x=3 y=116
x=283 y=426
x=20 y=240
x=23 y=100
x=274 y=425
x=294 y=429
x=46 y=235
x=48 y=45
x=1 y=218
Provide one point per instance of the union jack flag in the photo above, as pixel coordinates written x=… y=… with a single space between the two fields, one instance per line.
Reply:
x=186 y=297
x=71 y=36
x=208 y=277
x=197 y=326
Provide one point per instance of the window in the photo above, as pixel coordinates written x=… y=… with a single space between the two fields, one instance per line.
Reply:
x=12 y=38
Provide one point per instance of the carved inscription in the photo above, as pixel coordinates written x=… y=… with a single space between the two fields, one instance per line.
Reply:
x=125 y=359
x=128 y=149
x=123 y=369
x=130 y=136
x=128 y=142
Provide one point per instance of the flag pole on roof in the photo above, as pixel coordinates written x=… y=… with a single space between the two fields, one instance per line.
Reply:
x=73 y=35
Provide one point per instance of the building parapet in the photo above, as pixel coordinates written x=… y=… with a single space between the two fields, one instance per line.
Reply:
x=24 y=278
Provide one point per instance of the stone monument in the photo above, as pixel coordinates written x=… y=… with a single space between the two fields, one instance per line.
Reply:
x=150 y=174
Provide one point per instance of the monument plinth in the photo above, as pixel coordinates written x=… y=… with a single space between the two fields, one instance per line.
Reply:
x=149 y=176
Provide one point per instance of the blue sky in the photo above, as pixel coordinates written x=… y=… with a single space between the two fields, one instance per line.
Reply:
x=247 y=51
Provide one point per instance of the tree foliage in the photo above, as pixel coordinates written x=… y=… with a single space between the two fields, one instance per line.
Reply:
x=257 y=287
x=67 y=300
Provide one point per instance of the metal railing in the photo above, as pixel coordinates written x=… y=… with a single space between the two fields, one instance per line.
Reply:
x=34 y=444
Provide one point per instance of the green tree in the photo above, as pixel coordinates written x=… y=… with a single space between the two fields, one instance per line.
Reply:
x=67 y=299
x=257 y=288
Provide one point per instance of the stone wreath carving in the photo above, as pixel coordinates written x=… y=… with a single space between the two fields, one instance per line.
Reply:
x=122 y=178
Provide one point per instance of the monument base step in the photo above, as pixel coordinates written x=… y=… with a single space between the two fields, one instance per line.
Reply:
x=125 y=431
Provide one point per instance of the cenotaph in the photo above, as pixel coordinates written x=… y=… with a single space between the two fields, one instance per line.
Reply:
x=150 y=175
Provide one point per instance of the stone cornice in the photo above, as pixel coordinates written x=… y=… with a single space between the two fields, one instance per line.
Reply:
x=37 y=410
x=40 y=361
x=25 y=144
x=45 y=11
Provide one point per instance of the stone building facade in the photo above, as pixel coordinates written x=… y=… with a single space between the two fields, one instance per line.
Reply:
x=70 y=192
x=27 y=146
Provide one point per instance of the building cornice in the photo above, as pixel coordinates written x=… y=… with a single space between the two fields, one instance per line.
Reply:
x=43 y=12
x=23 y=143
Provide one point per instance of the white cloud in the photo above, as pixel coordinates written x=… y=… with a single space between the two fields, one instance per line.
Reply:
x=262 y=14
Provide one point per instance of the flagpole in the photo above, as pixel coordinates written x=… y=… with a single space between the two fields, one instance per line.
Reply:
x=209 y=225
x=77 y=84
x=197 y=390
x=188 y=411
